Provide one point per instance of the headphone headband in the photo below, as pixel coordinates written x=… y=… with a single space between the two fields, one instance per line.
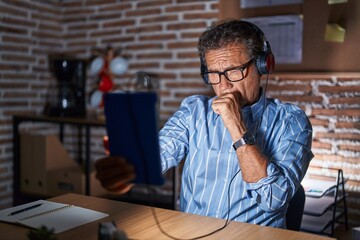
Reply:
x=265 y=60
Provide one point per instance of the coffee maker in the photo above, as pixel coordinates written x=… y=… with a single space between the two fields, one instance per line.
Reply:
x=68 y=99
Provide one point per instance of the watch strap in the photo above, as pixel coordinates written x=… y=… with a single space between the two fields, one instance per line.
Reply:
x=239 y=143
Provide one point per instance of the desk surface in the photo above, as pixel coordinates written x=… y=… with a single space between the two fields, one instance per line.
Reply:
x=138 y=223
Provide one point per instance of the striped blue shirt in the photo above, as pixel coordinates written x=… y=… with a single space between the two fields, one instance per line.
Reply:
x=197 y=135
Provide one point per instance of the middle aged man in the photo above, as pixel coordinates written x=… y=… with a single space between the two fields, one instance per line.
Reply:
x=237 y=147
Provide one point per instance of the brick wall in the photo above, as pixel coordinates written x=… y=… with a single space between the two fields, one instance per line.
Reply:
x=159 y=37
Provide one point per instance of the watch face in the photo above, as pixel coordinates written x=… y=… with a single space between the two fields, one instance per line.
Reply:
x=249 y=138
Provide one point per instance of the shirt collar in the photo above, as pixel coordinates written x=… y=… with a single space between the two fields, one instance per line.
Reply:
x=256 y=110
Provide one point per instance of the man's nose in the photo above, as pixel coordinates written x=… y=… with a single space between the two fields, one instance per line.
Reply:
x=224 y=83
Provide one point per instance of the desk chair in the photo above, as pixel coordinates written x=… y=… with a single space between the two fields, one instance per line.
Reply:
x=295 y=210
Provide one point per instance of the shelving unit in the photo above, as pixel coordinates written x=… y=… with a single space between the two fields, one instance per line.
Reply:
x=325 y=205
x=87 y=123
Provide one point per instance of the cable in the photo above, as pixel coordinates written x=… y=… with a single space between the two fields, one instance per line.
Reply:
x=227 y=222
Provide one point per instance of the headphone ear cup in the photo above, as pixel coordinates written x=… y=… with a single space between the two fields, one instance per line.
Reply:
x=265 y=63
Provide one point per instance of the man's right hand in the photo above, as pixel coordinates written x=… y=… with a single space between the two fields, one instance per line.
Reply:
x=115 y=174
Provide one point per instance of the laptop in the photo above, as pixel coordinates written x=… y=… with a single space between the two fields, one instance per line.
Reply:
x=132 y=129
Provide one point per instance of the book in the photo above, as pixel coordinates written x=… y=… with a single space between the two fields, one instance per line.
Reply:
x=57 y=216
x=132 y=128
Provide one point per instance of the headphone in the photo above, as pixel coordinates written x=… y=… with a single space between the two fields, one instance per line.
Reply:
x=265 y=61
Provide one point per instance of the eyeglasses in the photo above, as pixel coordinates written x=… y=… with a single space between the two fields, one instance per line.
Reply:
x=234 y=74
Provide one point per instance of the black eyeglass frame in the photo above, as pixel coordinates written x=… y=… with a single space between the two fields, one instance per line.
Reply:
x=241 y=68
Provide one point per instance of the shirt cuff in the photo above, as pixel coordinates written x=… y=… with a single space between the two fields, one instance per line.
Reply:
x=272 y=174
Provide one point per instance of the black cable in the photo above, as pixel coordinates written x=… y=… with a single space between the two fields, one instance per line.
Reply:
x=227 y=222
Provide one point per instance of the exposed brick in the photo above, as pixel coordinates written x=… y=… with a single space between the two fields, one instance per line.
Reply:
x=144 y=46
x=78 y=11
x=119 y=7
x=82 y=43
x=164 y=93
x=184 y=85
x=214 y=6
x=177 y=45
x=185 y=8
x=13 y=66
x=154 y=3
x=34 y=6
x=19 y=58
x=299 y=98
x=142 y=66
x=105 y=16
x=98 y=2
x=72 y=52
x=181 y=65
x=158 y=37
x=20 y=40
x=50 y=27
x=184 y=25
x=319 y=122
x=104 y=33
x=11 y=85
x=75 y=35
x=191 y=76
x=45 y=18
x=199 y=91
x=355 y=148
x=338 y=89
x=191 y=34
x=13 y=30
x=290 y=87
x=71 y=19
x=120 y=40
x=205 y=15
x=154 y=56
x=13 y=12
x=336 y=112
x=184 y=1
x=355 y=125
x=42 y=35
x=157 y=19
x=344 y=136
x=172 y=103
x=83 y=27
x=142 y=13
x=17 y=22
x=9 y=103
x=303 y=77
x=164 y=75
x=321 y=145
x=345 y=100
x=51 y=44
x=151 y=29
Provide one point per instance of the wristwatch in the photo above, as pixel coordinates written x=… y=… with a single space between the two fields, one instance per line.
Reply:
x=247 y=138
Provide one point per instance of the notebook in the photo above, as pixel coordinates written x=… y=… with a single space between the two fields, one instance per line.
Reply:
x=132 y=128
x=57 y=216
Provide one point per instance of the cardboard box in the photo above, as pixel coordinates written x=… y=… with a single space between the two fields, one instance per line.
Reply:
x=39 y=154
x=72 y=180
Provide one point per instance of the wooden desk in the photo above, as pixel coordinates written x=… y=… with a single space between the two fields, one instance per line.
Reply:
x=138 y=223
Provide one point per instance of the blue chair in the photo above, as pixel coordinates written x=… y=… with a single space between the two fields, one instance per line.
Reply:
x=295 y=210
